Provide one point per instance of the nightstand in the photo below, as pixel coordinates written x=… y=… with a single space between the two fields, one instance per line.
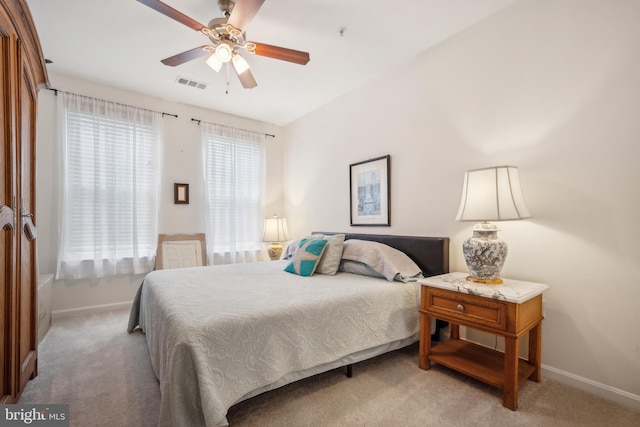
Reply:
x=510 y=310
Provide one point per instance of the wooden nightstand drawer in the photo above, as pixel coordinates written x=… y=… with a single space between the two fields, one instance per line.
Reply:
x=468 y=310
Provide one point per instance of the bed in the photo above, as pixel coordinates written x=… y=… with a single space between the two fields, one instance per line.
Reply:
x=221 y=334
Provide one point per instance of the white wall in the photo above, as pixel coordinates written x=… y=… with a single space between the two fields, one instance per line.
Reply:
x=182 y=162
x=550 y=86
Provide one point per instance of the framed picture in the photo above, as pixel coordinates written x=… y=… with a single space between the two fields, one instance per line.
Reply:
x=370 y=198
x=181 y=194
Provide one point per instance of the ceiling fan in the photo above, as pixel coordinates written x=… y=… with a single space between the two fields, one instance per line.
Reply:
x=227 y=36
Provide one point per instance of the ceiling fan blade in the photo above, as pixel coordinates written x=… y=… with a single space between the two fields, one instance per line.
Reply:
x=246 y=78
x=187 y=56
x=173 y=14
x=282 y=53
x=243 y=13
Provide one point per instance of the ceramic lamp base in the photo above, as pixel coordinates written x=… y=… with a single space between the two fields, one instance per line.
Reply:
x=485 y=254
x=275 y=251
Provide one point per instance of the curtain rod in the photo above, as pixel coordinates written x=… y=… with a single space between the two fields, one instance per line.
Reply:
x=198 y=121
x=163 y=113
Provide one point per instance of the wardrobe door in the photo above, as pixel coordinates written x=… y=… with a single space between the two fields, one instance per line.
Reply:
x=28 y=269
x=22 y=71
x=7 y=221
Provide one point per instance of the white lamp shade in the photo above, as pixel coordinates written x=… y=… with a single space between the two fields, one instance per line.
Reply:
x=224 y=52
x=275 y=230
x=239 y=64
x=214 y=62
x=492 y=194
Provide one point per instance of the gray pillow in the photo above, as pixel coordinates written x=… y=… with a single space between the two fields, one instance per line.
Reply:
x=391 y=263
x=357 y=267
x=330 y=261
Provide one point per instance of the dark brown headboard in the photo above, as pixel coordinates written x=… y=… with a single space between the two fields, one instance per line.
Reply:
x=430 y=253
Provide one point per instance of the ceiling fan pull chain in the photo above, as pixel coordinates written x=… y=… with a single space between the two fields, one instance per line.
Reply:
x=227 y=90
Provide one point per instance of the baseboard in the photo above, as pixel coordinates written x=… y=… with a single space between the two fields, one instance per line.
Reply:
x=72 y=312
x=602 y=390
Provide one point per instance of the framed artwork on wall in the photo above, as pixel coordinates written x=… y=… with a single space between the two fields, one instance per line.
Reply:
x=369 y=182
x=181 y=194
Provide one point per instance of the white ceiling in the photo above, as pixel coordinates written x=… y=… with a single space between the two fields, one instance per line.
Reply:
x=120 y=43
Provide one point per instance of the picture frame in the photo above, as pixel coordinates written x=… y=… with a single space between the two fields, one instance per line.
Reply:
x=370 y=197
x=181 y=194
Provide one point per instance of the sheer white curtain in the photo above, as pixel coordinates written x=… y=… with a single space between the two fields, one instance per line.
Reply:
x=110 y=174
x=233 y=174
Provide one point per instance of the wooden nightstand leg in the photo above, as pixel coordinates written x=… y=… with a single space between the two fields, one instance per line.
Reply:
x=535 y=351
x=454 y=331
x=510 y=388
x=425 y=341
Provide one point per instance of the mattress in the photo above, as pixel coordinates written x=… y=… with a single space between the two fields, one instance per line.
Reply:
x=220 y=334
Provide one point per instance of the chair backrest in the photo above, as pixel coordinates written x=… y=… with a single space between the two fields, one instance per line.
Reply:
x=181 y=251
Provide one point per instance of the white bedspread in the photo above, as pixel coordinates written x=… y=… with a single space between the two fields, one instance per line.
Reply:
x=217 y=333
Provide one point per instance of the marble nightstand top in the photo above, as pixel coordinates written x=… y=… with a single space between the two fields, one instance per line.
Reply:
x=511 y=290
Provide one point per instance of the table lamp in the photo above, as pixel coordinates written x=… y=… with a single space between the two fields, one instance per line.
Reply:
x=275 y=231
x=489 y=194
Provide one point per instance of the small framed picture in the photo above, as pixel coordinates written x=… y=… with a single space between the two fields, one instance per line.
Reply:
x=370 y=199
x=181 y=194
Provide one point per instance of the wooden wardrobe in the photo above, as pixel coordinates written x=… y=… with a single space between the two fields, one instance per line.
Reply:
x=22 y=73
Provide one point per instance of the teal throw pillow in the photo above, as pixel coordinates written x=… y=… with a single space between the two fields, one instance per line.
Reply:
x=307 y=257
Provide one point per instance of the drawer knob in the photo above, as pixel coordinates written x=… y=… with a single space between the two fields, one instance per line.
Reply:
x=460 y=307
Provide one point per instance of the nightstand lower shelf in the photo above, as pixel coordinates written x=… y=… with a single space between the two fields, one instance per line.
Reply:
x=481 y=363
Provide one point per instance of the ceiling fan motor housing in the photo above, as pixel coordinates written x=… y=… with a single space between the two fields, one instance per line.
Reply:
x=226 y=6
x=219 y=30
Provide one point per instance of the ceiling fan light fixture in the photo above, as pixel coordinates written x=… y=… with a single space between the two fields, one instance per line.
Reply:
x=240 y=64
x=224 y=52
x=214 y=63
x=233 y=31
x=250 y=47
x=227 y=37
x=207 y=32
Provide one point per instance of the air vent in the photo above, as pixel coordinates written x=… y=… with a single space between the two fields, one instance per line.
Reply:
x=191 y=83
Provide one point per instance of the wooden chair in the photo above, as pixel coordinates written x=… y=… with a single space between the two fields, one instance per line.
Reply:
x=181 y=251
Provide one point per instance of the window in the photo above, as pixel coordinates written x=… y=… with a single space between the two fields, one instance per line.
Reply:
x=233 y=182
x=110 y=175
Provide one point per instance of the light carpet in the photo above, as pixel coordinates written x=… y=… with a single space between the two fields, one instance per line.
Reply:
x=105 y=375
